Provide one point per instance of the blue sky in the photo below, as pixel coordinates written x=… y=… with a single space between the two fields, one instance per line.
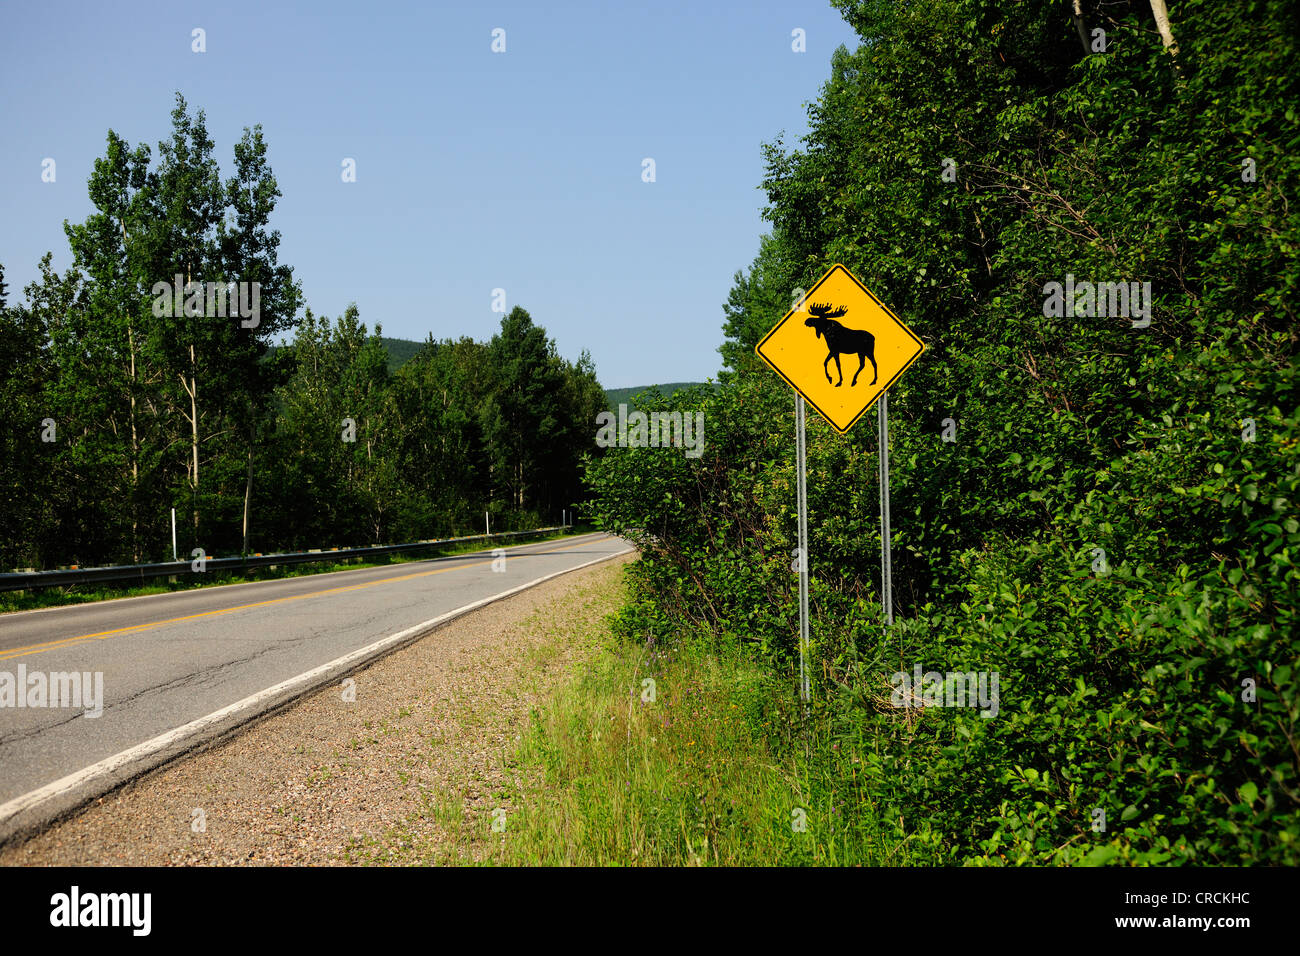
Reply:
x=474 y=170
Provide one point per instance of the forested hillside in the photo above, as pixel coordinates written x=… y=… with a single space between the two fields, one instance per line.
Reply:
x=400 y=351
x=1109 y=519
x=629 y=396
x=126 y=393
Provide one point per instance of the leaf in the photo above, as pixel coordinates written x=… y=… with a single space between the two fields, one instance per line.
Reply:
x=1100 y=856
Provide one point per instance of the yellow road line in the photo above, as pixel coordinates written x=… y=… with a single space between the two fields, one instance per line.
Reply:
x=134 y=628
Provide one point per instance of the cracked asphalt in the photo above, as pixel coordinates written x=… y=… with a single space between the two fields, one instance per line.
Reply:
x=170 y=659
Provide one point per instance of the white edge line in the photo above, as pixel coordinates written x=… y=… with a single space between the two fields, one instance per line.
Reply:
x=294 y=686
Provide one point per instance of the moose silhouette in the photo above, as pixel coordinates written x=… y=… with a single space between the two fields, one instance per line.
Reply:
x=842 y=341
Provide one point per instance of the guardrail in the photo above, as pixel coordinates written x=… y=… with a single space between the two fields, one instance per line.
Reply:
x=32 y=580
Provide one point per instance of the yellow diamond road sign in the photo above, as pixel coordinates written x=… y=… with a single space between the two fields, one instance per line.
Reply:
x=840 y=348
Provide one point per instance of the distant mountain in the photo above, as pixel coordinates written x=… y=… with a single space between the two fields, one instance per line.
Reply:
x=625 y=396
x=400 y=351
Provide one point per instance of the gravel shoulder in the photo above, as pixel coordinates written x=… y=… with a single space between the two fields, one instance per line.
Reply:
x=415 y=770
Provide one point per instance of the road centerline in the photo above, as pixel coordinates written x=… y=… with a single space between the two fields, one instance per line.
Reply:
x=62 y=643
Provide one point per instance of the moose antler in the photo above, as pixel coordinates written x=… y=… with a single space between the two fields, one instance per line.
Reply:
x=824 y=310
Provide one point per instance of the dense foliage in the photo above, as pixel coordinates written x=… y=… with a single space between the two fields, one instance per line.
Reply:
x=115 y=413
x=1113 y=529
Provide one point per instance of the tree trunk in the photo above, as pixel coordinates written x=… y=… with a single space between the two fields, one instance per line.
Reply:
x=135 y=456
x=192 y=466
x=1081 y=27
x=1161 y=13
x=248 y=492
x=135 y=437
x=191 y=388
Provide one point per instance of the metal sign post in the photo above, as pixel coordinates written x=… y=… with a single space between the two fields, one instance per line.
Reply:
x=886 y=568
x=802 y=484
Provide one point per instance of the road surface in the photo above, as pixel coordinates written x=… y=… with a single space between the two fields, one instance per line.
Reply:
x=169 y=661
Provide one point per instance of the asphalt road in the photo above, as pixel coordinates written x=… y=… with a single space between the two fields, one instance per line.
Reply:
x=170 y=659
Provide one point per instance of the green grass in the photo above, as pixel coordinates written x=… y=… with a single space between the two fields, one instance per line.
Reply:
x=715 y=771
x=86 y=594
